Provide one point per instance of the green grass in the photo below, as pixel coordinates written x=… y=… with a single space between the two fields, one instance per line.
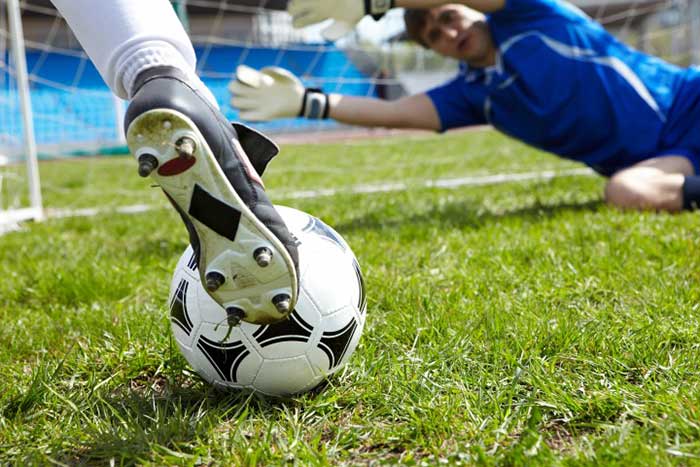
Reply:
x=519 y=323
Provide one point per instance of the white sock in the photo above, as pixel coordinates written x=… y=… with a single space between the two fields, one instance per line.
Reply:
x=141 y=56
x=125 y=37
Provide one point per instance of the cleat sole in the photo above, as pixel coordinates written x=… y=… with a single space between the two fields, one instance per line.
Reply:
x=226 y=231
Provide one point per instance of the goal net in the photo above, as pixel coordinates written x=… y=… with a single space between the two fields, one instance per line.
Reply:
x=74 y=114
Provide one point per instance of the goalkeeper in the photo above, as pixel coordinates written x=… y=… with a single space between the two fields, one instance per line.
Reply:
x=538 y=70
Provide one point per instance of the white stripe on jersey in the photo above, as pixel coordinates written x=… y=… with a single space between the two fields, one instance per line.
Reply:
x=587 y=55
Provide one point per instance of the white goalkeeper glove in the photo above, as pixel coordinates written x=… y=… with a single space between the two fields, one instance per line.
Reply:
x=344 y=13
x=273 y=93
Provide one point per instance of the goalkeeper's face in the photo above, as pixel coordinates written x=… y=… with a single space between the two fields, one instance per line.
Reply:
x=459 y=32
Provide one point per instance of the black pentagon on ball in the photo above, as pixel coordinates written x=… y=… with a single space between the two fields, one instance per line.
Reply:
x=335 y=343
x=294 y=329
x=224 y=357
x=178 y=307
x=192 y=262
x=362 y=300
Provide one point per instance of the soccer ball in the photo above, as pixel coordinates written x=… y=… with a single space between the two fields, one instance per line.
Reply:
x=285 y=358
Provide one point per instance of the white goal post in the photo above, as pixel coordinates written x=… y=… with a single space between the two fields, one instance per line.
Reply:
x=16 y=207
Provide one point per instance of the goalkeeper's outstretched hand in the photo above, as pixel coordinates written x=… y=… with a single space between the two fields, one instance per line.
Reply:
x=344 y=13
x=273 y=93
x=267 y=94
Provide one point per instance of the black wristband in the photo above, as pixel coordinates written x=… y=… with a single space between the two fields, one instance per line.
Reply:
x=377 y=8
x=691 y=193
x=314 y=104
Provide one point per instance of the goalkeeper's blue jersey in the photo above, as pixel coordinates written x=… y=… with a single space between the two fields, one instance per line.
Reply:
x=563 y=84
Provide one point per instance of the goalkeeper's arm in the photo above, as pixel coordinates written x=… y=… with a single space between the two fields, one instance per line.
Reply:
x=415 y=111
x=347 y=13
x=274 y=93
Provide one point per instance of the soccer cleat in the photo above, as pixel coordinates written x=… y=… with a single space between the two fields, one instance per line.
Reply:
x=283 y=304
x=263 y=256
x=234 y=316
x=147 y=164
x=214 y=280
x=185 y=147
x=246 y=256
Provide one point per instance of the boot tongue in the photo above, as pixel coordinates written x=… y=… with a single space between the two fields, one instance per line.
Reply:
x=259 y=148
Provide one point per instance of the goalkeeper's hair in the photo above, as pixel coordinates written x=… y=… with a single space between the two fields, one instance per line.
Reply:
x=415 y=20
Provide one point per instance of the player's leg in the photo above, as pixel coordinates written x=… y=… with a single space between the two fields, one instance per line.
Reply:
x=247 y=257
x=125 y=37
x=661 y=183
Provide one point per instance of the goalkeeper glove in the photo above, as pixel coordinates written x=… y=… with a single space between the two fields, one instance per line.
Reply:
x=273 y=93
x=344 y=13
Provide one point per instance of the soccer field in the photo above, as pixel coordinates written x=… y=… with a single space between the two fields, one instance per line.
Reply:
x=513 y=318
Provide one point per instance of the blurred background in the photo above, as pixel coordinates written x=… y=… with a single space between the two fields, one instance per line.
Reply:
x=74 y=114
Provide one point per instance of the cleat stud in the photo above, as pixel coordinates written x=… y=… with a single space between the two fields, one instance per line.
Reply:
x=147 y=164
x=214 y=280
x=185 y=147
x=234 y=316
x=282 y=302
x=263 y=256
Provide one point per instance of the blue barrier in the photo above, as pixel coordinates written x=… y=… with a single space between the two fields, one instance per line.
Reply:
x=73 y=106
